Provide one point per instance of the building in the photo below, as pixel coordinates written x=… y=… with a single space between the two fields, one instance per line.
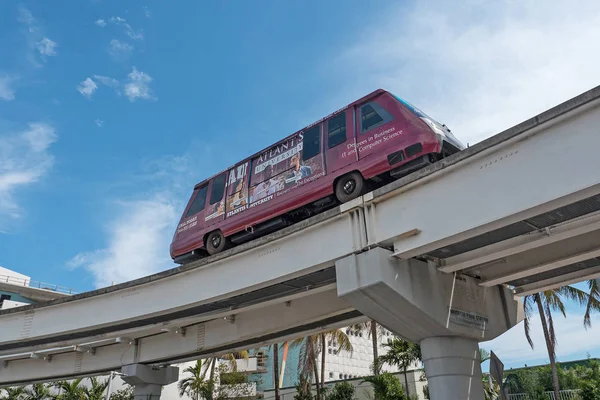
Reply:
x=18 y=290
x=338 y=365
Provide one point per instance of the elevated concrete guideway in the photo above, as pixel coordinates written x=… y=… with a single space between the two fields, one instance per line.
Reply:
x=517 y=213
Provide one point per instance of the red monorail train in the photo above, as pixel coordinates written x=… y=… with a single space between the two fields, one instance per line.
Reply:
x=366 y=144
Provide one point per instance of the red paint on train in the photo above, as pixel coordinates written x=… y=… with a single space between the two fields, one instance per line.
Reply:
x=370 y=142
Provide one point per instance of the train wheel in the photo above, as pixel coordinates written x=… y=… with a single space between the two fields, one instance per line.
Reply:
x=216 y=242
x=349 y=187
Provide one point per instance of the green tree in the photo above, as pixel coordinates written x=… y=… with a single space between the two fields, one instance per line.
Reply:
x=546 y=303
x=490 y=390
x=401 y=354
x=303 y=391
x=37 y=391
x=12 y=393
x=386 y=387
x=70 y=390
x=342 y=391
x=311 y=346
x=96 y=390
x=375 y=332
x=125 y=393
x=193 y=384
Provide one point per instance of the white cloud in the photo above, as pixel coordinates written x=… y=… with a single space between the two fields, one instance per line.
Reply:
x=24 y=159
x=99 y=123
x=512 y=347
x=129 y=31
x=138 y=242
x=107 y=81
x=479 y=67
x=87 y=87
x=147 y=12
x=140 y=228
x=37 y=42
x=47 y=47
x=119 y=50
x=138 y=86
x=100 y=22
x=7 y=93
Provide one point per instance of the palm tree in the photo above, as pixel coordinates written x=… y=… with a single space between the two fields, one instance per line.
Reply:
x=276 y=369
x=312 y=346
x=307 y=361
x=96 y=389
x=402 y=354
x=37 y=391
x=192 y=385
x=490 y=391
x=552 y=300
x=593 y=303
x=70 y=390
x=13 y=393
x=375 y=332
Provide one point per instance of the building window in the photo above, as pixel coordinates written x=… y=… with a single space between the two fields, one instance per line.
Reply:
x=260 y=358
x=331 y=375
x=341 y=376
x=346 y=376
x=329 y=350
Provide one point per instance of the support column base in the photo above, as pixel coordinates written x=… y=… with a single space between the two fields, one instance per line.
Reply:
x=147 y=381
x=453 y=368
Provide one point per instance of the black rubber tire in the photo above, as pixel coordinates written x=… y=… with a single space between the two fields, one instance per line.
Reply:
x=213 y=238
x=345 y=193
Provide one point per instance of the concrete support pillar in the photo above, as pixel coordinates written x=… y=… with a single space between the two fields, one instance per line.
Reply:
x=147 y=380
x=453 y=368
x=448 y=314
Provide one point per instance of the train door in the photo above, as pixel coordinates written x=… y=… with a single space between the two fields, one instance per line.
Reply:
x=370 y=124
x=215 y=208
x=339 y=141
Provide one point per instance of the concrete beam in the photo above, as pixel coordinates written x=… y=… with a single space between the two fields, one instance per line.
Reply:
x=491 y=188
x=281 y=321
x=135 y=304
x=416 y=301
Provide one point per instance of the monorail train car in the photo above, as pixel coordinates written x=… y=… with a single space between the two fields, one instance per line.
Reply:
x=364 y=145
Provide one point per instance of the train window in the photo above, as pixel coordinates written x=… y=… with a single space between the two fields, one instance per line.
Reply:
x=199 y=202
x=336 y=127
x=373 y=115
x=218 y=187
x=311 y=145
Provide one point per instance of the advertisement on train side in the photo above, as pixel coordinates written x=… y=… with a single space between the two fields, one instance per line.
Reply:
x=275 y=172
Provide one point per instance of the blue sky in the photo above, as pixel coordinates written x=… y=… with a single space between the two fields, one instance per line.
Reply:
x=110 y=111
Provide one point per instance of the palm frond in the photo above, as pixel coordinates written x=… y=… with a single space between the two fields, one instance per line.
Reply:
x=306 y=360
x=593 y=301
x=527 y=308
x=551 y=331
x=342 y=340
x=484 y=355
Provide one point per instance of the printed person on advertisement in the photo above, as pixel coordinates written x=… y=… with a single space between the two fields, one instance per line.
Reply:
x=300 y=171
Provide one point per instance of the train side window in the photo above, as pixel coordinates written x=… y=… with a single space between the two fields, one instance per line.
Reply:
x=373 y=115
x=217 y=189
x=336 y=128
x=311 y=144
x=199 y=202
